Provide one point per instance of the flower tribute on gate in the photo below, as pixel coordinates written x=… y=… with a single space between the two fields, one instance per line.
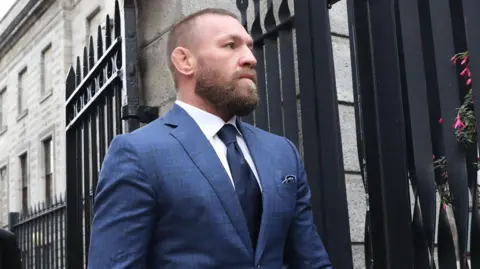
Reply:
x=464 y=127
x=464 y=124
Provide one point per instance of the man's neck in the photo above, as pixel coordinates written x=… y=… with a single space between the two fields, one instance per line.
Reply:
x=205 y=106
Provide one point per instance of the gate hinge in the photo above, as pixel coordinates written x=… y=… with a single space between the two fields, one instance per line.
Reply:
x=145 y=114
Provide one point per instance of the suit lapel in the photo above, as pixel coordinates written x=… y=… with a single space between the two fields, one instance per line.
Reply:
x=205 y=158
x=266 y=172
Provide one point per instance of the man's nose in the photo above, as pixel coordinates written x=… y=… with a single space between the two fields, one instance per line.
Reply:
x=248 y=59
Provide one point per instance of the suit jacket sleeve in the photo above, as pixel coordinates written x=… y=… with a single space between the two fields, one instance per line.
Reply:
x=12 y=257
x=304 y=248
x=124 y=212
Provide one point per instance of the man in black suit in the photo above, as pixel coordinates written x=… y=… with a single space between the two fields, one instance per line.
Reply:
x=9 y=252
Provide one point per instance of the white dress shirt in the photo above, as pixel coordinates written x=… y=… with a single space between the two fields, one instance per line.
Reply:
x=210 y=125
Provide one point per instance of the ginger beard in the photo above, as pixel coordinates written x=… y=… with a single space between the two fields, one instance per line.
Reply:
x=230 y=96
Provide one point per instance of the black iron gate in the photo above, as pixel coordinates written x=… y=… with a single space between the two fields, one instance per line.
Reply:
x=94 y=114
x=408 y=96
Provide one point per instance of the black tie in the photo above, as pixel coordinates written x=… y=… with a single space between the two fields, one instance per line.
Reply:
x=246 y=185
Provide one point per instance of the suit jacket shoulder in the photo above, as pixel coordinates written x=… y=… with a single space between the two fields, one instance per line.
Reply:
x=143 y=138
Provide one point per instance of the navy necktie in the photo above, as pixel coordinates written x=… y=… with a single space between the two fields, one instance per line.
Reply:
x=246 y=185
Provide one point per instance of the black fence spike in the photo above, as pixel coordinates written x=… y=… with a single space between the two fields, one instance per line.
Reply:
x=99 y=42
x=91 y=54
x=70 y=82
x=269 y=21
x=242 y=6
x=78 y=76
x=108 y=32
x=117 y=18
x=284 y=12
x=85 y=62
x=256 y=29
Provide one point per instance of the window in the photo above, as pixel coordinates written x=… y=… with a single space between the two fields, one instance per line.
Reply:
x=46 y=70
x=48 y=164
x=2 y=108
x=93 y=21
x=22 y=96
x=24 y=181
x=3 y=195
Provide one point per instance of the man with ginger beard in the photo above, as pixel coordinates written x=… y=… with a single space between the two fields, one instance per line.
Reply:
x=199 y=188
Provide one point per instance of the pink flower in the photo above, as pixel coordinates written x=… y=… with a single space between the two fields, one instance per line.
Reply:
x=464 y=60
x=469 y=81
x=465 y=71
x=454 y=59
x=458 y=123
x=440 y=121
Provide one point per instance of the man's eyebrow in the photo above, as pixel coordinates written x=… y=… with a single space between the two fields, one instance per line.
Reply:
x=230 y=36
x=249 y=41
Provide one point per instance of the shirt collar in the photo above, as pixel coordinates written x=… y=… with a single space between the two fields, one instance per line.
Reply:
x=209 y=124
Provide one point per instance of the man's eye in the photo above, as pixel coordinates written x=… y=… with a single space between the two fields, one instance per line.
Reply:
x=231 y=45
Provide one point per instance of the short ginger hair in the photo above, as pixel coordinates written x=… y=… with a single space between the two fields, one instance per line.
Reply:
x=181 y=32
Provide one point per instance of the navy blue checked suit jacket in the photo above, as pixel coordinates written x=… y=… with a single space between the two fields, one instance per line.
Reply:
x=164 y=201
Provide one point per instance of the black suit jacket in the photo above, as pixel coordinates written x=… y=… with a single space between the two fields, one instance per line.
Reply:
x=9 y=252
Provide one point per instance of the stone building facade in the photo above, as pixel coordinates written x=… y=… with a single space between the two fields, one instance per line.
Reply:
x=40 y=39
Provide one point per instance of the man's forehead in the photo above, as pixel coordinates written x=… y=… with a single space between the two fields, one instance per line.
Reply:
x=221 y=24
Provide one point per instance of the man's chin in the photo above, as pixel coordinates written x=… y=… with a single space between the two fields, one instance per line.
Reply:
x=246 y=83
x=246 y=109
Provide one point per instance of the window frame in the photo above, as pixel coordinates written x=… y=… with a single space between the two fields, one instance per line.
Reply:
x=44 y=91
x=48 y=167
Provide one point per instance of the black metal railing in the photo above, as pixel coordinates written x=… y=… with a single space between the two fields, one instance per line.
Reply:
x=93 y=107
x=408 y=93
x=40 y=235
x=95 y=113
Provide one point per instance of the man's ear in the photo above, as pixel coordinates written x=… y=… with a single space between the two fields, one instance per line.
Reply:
x=183 y=60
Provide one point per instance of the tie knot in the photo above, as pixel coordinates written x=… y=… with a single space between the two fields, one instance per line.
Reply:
x=228 y=134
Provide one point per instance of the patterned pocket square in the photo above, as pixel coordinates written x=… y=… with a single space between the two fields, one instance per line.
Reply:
x=289 y=179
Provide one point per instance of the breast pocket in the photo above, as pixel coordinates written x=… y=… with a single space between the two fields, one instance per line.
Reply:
x=285 y=199
x=286 y=186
